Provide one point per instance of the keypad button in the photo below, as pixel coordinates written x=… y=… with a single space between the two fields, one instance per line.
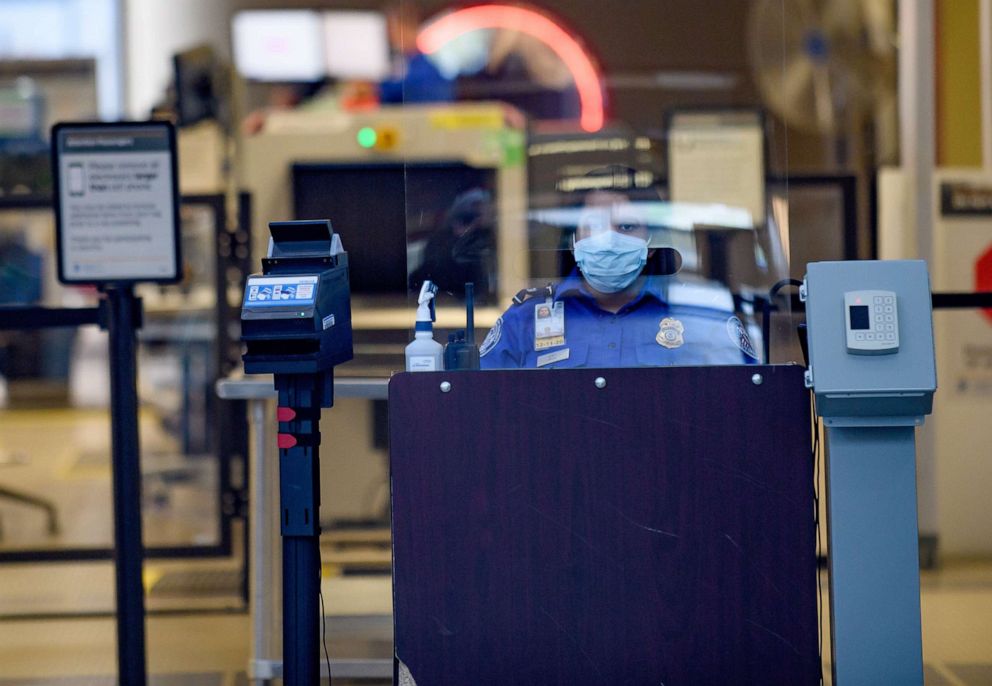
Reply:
x=889 y=300
x=859 y=336
x=870 y=336
x=890 y=318
x=889 y=309
x=878 y=299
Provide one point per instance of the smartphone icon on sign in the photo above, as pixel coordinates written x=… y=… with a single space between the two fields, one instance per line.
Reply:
x=77 y=180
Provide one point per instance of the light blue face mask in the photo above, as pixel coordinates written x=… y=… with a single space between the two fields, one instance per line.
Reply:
x=610 y=261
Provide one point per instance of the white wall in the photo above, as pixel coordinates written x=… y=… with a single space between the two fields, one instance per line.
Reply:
x=59 y=29
x=155 y=30
x=963 y=405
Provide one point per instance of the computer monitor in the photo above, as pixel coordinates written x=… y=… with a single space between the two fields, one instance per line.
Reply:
x=196 y=73
x=403 y=223
x=356 y=45
x=279 y=45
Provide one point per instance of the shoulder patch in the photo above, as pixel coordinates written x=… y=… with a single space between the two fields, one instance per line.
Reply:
x=738 y=335
x=492 y=338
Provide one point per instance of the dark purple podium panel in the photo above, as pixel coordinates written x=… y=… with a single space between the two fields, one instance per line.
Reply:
x=656 y=531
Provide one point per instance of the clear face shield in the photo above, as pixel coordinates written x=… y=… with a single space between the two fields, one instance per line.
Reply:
x=687 y=279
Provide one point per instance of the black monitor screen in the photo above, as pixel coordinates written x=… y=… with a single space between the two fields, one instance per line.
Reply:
x=195 y=74
x=404 y=223
x=859 y=317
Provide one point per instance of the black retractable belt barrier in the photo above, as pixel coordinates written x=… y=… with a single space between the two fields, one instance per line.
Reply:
x=955 y=301
x=21 y=318
x=940 y=301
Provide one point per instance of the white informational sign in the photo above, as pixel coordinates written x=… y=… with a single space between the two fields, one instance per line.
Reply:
x=116 y=203
x=718 y=158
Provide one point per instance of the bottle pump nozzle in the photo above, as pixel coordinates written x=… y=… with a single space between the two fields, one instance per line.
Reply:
x=426 y=313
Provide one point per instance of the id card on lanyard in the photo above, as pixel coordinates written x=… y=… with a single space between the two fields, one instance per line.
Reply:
x=549 y=325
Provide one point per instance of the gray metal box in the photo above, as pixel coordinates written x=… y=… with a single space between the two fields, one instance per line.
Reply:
x=862 y=388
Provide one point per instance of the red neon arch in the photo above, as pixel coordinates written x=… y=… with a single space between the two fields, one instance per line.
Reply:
x=439 y=32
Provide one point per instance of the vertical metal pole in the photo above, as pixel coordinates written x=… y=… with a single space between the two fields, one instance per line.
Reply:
x=261 y=523
x=917 y=121
x=874 y=559
x=301 y=611
x=266 y=546
x=917 y=150
x=300 y=395
x=122 y=319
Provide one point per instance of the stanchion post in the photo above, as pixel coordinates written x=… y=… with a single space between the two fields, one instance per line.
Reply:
x=123 y=317
x=301 y=397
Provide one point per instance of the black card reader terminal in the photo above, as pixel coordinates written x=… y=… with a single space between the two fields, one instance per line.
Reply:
x=296 y=325
x=296 y=314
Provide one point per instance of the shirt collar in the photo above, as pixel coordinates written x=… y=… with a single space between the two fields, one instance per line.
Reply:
x=574 y=286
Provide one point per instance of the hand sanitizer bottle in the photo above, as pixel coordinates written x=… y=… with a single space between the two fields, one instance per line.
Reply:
x=424 y=354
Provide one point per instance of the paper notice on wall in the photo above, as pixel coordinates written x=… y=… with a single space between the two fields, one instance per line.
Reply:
x=718 y=158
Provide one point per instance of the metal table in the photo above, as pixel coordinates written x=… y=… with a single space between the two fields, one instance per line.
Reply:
x=265 y=549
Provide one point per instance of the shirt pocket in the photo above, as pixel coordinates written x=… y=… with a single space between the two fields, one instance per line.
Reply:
x=578 y=354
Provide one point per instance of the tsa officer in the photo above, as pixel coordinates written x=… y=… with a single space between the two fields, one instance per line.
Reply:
x=618 y=308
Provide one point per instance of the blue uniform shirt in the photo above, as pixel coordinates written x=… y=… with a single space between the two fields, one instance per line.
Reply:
x=421 y=82
x=649 y=331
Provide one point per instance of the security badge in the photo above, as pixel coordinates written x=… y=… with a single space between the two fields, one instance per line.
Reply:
x=670 y=333
x=549 y=325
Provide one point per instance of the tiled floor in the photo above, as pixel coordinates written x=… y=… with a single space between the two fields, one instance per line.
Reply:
x=957 y=624
x=214 y=649
x=197 y=650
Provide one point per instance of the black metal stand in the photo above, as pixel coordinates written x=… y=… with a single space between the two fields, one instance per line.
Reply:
x=123 y=317
x=301 y=397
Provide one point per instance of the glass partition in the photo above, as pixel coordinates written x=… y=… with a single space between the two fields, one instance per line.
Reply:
x=469 y=148
x=607 y=215
x=55 y=478
x=623 y=184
